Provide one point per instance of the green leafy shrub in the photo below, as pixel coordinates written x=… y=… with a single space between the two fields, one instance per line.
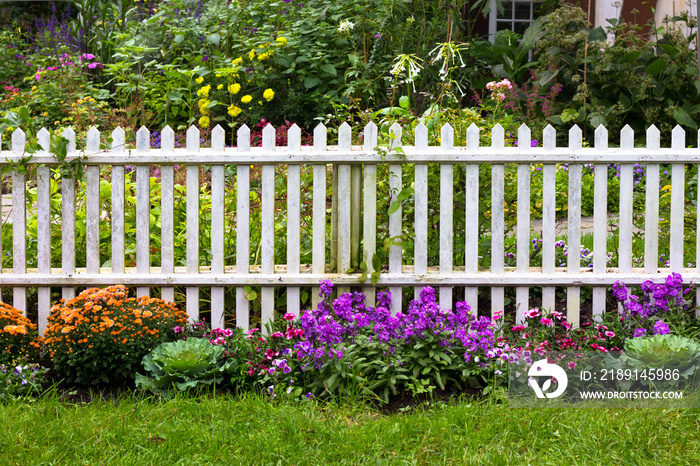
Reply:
x=631 y=80
x=183 y=365
x=102 y=335
x=18 y=335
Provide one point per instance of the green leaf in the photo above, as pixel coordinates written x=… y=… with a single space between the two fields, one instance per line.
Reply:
x=405 y=193
x=330 y=69
x=394 y=207
x=631 y=57
x=682 y=116
x=174 y=95
x=656 y=66
x=179 y=38
x=311 y=81
x=404 y=102
x=214 y=38
x=598 y=34
x=250 y=294
x=669 y=49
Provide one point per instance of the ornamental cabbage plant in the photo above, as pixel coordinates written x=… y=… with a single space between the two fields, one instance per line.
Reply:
x=183 y=365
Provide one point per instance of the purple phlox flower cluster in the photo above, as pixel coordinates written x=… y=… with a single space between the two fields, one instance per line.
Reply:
x=639 y=332
x=656 y=297
x=327 y=327
x=661 y=328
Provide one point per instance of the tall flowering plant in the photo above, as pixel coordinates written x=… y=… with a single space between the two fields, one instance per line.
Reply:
x=660 y=309
x=364 y=348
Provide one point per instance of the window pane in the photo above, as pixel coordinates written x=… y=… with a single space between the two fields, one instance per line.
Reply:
x=523 y=10
x=520 y=26
x=501 y=25
x=507 y=11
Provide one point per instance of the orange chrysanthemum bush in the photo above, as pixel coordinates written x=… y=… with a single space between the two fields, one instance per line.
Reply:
x=101 y=336
x=18 y=336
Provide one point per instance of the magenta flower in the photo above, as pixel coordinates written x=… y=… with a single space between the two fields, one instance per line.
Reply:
x=547 y=322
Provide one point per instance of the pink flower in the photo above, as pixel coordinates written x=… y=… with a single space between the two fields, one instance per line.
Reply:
x=178 y=329
x=277 y=335
x=571 y=364
x=532 y=313
x=609 y=334
x=87 y=56
x=289 y=316
x=518 y=328
x=546 y=321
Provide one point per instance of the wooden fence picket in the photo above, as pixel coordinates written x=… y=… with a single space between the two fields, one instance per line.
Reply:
x=242 y=228
x=19 y=222
x=600 y=220
x=218 y=196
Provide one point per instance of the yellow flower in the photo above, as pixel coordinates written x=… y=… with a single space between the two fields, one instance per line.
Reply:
x=237 y=60
x=263 y=56
x=246 y=98
x=234 y=88
x=45 y=114
x=203 y=103
x=204 y=122
x=269 y=94
x=234 y=111
x=281 y=41
x=204 y=91
x=251 y=55
x=199 y=80
x=34 y=88
x=220 y=86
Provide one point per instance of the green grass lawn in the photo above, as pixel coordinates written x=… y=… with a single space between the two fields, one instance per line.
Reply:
x=251 y=430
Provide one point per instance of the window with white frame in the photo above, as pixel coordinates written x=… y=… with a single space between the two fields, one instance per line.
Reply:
x=517 y=16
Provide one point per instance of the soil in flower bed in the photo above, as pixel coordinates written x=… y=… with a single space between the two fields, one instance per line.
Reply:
x=406 y=402
x=77 y=394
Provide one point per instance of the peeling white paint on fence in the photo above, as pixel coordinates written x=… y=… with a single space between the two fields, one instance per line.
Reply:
x=355 y=223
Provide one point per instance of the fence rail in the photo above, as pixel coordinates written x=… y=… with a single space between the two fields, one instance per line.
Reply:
x=351 y=174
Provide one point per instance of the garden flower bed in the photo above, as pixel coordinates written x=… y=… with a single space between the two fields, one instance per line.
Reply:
x=103 y=339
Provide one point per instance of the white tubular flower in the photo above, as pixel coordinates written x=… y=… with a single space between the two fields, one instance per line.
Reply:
x=345 y=26
x=408 y=64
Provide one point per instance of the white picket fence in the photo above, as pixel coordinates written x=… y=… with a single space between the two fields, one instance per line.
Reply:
x=354 y=171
